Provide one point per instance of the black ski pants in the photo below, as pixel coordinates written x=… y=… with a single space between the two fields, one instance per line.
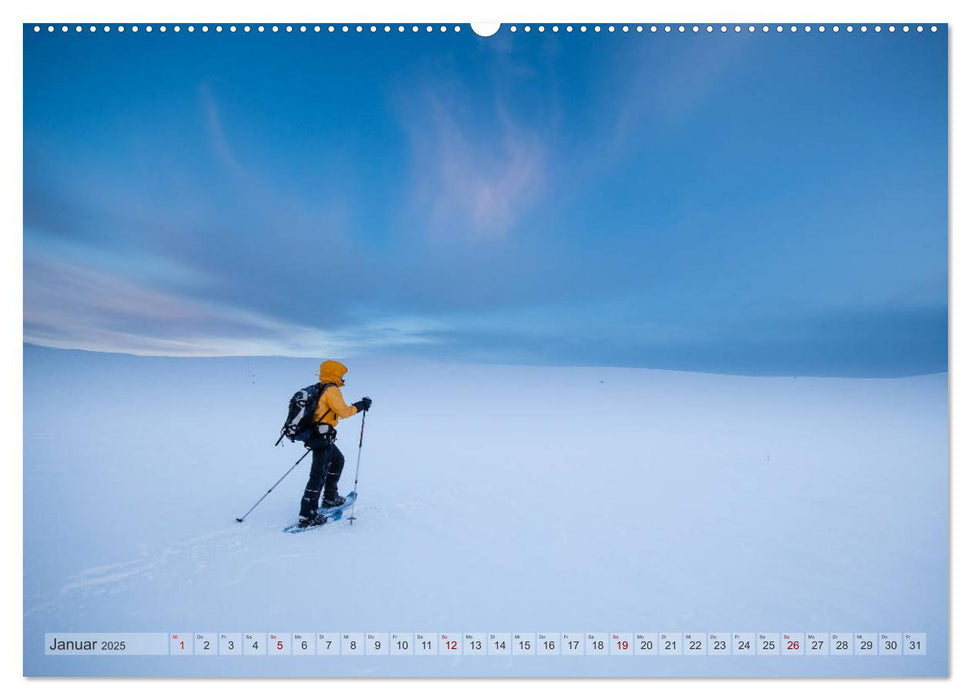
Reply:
x=325 y=471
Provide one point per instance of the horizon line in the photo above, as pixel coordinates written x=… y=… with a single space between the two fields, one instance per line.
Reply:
x=318 y=358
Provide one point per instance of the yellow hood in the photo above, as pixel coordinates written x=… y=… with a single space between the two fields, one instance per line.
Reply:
x=332 y=372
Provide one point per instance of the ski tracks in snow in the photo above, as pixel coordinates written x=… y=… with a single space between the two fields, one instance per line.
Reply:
x=234 y=552
x=173 y=565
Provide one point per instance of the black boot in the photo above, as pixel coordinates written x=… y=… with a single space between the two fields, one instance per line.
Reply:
x=331 y=498
x=312 y=521
x=308 y=504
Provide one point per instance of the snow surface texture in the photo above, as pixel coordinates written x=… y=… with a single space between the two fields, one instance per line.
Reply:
x=492 y=499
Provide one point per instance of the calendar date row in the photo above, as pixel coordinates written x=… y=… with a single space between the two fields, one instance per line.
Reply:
x=490 y=644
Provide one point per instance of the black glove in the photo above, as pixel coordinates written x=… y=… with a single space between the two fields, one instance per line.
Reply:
x=362 y=405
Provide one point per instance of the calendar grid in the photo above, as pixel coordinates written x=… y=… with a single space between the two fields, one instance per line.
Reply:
x=378 y=644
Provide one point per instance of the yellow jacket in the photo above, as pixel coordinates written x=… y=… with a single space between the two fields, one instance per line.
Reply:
x=332 y=407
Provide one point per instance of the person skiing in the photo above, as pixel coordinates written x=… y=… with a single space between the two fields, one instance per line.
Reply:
x=328 y=461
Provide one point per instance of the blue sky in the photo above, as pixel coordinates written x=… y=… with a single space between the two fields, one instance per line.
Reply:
x=756 y=204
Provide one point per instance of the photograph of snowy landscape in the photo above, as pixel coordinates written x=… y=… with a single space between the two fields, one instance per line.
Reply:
x=616 y=335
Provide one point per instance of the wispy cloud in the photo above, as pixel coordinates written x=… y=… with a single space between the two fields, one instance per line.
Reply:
x=473 y=175
x=217 y=134
x=663 y=89
x=67 y=305
x=276 y=205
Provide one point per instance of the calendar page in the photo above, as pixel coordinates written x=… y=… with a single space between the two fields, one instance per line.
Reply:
x=514 y=350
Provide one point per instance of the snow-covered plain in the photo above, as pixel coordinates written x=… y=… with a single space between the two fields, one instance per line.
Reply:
x=492 y=499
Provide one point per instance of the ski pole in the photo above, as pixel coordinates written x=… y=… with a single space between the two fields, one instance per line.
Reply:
x=239 y=520
x=357 y=469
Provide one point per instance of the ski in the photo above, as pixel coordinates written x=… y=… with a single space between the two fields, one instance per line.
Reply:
x=329 y=514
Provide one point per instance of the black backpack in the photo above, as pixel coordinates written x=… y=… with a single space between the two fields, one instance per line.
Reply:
x=300 y=421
